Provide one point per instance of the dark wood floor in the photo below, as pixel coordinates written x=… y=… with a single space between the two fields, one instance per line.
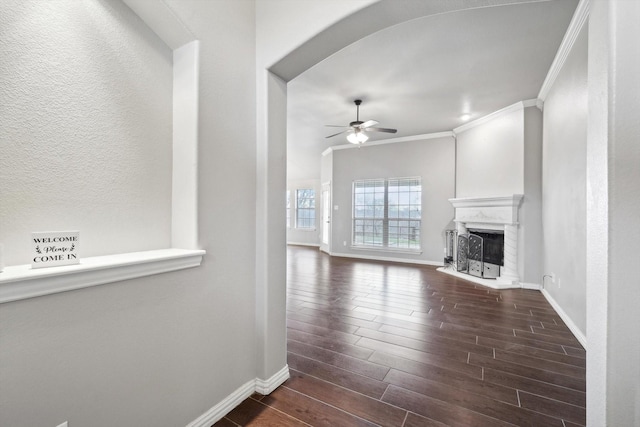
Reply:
x=375 y=343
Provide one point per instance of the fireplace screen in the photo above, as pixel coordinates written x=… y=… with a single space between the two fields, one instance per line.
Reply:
x=480 y=254
x=462 y=263
x=475 y=255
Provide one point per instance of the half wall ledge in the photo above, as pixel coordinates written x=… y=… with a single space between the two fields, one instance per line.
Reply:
x=21 y=281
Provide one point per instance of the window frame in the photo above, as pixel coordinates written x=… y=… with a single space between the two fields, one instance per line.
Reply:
x=387 y=216
x=310 y=209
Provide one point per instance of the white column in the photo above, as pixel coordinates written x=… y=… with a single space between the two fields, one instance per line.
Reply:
x=510 y=270
x=271 y=244
x=613 y=235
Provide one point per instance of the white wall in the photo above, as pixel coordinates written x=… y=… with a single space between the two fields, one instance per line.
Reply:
x=613 y=209
x=501 y=155
x=432 y=159
x=281 y=27
x=86 y=128
x=623 y=390
x=160 y=350
x=119 y=354
x=563 y=181
x=491 y=157
x=530 y=236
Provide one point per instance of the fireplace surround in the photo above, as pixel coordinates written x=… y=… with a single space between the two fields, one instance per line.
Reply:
x=497 y=215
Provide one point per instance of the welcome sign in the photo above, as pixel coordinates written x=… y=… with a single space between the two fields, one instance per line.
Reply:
x=54 y=248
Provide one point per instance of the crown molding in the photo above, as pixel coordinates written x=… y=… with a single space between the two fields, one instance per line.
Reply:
x=580 y=16
x=414 y=138
x=521 y=105
x=489 y=117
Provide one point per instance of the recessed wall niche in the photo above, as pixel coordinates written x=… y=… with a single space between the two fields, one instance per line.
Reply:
x=90 y=139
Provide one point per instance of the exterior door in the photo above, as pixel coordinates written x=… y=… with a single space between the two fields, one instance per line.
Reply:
x=326 y=217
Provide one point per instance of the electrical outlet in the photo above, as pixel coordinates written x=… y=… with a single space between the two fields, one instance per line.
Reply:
x=64 y=424
x=555 y=280
x=344 y=243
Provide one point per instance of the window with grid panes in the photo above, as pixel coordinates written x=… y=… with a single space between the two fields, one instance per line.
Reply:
x=305 y=208
x=387 y=213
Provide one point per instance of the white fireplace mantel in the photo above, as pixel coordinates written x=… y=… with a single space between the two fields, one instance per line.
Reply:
x=487 y=212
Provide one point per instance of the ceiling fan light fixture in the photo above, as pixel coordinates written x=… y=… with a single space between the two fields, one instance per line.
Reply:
x=357 y=138
x=356 y=129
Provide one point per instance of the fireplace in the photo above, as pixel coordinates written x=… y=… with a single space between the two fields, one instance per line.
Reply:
x=487 y=245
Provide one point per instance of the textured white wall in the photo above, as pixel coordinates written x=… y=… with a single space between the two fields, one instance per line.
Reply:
x=624 y=225
x=491 y=158
x=564 y=184
x=597 y=222
x=164 y=349
x=613 y=209
x=85 y=127
x=432 y=159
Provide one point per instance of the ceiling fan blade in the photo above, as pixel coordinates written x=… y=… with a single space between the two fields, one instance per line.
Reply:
x=336 y=126
x=368 y=123
x=387 y=130
x=337 y=133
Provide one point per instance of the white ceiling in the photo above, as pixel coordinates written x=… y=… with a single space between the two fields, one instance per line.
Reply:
x=423 y=75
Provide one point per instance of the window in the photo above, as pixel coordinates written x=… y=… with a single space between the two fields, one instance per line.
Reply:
x=387 y=213
x=288 y=209
x=306 y=208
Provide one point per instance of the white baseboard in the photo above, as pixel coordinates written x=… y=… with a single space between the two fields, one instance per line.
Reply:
x=532 y=286
x=267 y=386
x=391 y=259
x=216 y=413
x=566 y=319
x=258 y=385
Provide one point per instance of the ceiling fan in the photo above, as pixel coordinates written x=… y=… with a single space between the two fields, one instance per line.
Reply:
x=357 y=130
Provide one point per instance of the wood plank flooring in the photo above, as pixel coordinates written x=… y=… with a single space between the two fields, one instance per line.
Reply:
x=384 y=344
